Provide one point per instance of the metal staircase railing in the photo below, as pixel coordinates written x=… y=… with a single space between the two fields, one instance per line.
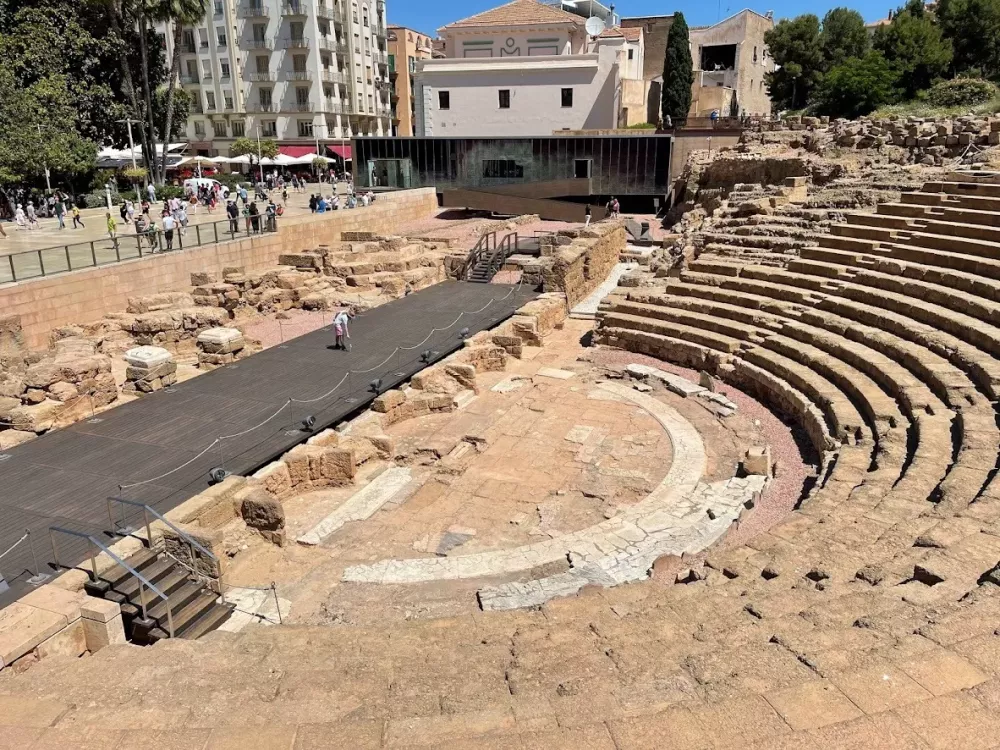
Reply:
x=192 y=543
x=95 y=576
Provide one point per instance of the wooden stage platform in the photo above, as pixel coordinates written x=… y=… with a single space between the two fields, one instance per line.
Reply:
x=65 y=477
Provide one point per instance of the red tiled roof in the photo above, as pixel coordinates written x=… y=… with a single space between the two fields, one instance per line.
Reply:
x=630 y=34
x=518 y=13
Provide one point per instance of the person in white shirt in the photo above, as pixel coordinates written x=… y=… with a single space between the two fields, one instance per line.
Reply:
x=340 y=328
x=169 y=223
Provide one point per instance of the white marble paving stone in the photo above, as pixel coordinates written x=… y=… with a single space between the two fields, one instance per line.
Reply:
x=555 y=373
x=361 y=505
x=586 y=309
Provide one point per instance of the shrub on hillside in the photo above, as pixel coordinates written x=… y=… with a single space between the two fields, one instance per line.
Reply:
x=961 y=92
x=857 y=87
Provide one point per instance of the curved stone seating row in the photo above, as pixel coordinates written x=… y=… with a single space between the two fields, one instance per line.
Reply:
x=979 y=426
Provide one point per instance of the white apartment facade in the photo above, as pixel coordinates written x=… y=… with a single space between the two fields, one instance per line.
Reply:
x=522 y=69
x=306 y=73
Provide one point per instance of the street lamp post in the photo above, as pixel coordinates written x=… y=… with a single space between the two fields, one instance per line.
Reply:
x=260 y=163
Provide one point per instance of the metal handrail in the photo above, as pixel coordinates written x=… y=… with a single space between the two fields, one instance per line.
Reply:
x=192 y=542
x=15 y=267
x=476 y=254
x=94 y=575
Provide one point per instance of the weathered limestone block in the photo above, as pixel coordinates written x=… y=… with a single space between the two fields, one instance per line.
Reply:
x=266 y=515
x=13 y=438
x=304 y=464
x=339 y=465
x=70 y=641
x=274 y=478
x=177 y=545
x=37 y=418
x=201 y=278
x=757 y=461
x=102 y=623
x=157 y=302
x=221 y=341
x=11 y=335
x=63 y=392
x=389 y=400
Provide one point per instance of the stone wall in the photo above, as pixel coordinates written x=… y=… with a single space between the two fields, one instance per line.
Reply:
x=87 y=295
x=579 y=267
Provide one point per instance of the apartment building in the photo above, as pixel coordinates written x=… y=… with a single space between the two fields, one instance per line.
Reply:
x=308 y=73
x=406 y=47
x=521 y=69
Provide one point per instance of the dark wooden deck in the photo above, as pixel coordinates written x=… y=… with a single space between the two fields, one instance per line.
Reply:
x=64 y=478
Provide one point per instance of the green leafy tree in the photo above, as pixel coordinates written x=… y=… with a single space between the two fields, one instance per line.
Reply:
x=973 y=28
x=914 y=48
x=843 y=36
x=179 y=13
x=857 y=87
x=678 y=72
x=795 y=46
x=268 y=149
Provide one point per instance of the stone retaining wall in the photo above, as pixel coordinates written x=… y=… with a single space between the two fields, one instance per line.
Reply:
x=578 y=266
x=87 y=295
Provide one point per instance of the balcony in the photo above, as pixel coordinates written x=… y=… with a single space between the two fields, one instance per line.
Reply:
x=300 y=75
x=334 y=107
x=293 y=9
x=191 y=80
x=253 y=10
x=328 y=13
x=209 y=107
x=188 y=49
x=302 y=107
x=261 y=107
x=262 y=77
x=295 y=42
x=267 y=44
x=328 y=44
x=207 y=77
x=333 y=76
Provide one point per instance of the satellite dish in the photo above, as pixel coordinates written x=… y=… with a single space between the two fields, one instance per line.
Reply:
x=595 y=26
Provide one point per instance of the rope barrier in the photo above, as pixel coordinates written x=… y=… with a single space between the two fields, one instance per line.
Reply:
x=326 y=395
x=11 y=547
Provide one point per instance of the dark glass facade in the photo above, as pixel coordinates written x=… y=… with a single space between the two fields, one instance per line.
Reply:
x=615 y=164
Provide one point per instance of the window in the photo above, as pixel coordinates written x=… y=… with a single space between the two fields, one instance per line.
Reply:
x=220 y=129
x=371 y=103
x=502 y=169
x=325 y=60
x=269 y=128
x=192 y=68
x=324 y=28
x=305 y=128
x=239 y=130
x=299 y=64
x=263 y=64
x=199 y=129
x=207 y=66
x=221 y=34
x=567 y=97
x=755 y=55
x=225 y=69
x=301 y=95
x=631 y=54
x=210 y=100
x=265 y=98
x=229 y=101
x=188 y=42
x=296 y=29
x=581 y=169
x=504 y=98
x=218 y=7
x=259 y=32
x=203 y=37
x=444 y=100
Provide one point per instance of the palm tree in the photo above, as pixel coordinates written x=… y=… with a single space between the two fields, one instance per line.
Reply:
x=181 y=13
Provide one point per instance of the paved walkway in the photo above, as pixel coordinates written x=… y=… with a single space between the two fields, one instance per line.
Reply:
x=65 y=477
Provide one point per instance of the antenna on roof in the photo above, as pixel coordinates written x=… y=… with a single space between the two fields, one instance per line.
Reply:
x=595 y=26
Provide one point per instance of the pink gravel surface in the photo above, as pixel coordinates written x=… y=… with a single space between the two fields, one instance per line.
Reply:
x=784 y=491
x=272 y=331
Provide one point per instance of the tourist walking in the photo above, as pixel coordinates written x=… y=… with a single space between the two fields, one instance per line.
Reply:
x=341 y=328
x=77 y=221
x=254 y=217
x=169 y=222
x=112 y=229
x=32 y=216
x=59 y=209
x=586 y=223
x=151 y=192
x=20 y=217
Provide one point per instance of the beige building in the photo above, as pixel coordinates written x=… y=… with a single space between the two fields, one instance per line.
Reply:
x=730 y=58
x=303 y=72
x=631 y=56
x=524 y=68
x=406 y=47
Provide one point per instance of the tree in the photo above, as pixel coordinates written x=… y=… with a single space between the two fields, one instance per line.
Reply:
x=734 y=105
x=181 y=13
x=843 y=36
x=678 y=72
x=795 y=46
x=973 y=28
x=268 y=148
x=914 y=48
x=857 y=87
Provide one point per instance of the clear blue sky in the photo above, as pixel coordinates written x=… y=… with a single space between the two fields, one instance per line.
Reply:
x=429 y=16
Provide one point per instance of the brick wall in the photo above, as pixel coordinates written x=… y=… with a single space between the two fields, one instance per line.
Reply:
x=87 y=295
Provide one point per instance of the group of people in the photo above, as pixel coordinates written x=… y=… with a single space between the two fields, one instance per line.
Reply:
x=26 y=215
x=320 y=204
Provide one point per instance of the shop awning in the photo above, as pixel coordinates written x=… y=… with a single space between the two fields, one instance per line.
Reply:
x=296 y=151
x=344 y=152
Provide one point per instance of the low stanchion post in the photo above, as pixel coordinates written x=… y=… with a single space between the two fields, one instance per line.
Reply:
x=41 y=262
x=69 y=263
x=93 y=253
x=13 y=274
x=39 y=577
x=197 y=233
x=277 y=605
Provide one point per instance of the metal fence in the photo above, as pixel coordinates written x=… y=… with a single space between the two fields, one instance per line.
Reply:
x=35 y=264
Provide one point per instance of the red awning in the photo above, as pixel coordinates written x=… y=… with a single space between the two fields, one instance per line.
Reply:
x=296 y=152
x=344 y=152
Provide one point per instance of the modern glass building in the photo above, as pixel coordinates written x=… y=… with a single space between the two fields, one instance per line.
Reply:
x=563 y=166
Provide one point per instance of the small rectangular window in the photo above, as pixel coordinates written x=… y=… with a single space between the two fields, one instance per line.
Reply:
x=221 y=32
x=631 y=53
x=444 y=100
x=269 y=128
x=305 y=128
x=239 y=130
x=504 y=169
x=220 y=129
x=504 y=98
x=567 y=97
